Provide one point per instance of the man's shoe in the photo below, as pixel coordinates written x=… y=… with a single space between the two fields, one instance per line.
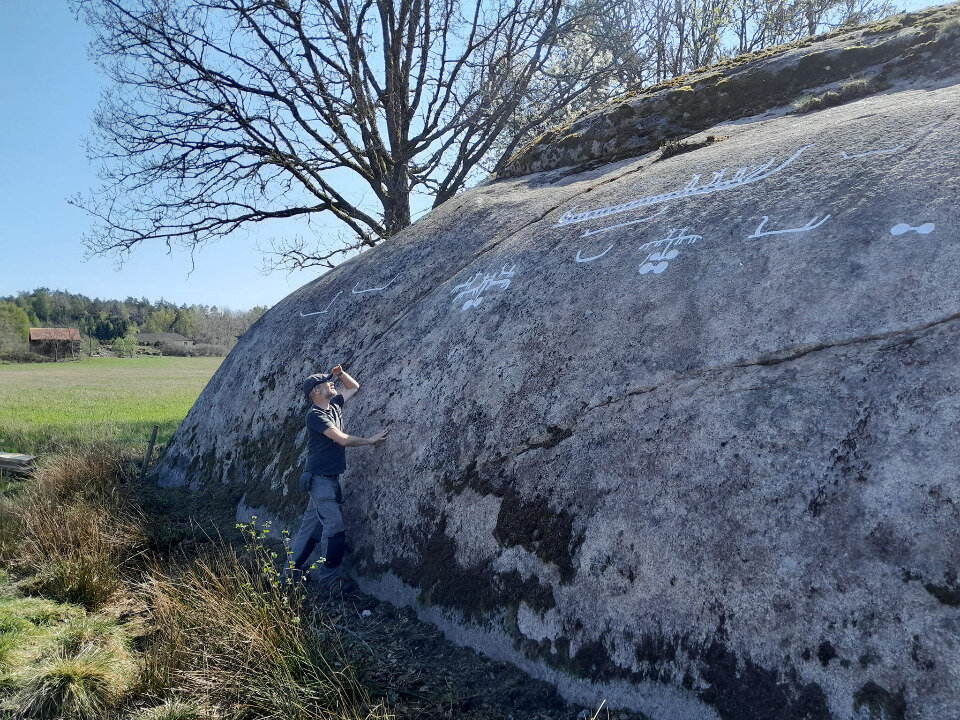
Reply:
x=348 y=586
x=339 y=586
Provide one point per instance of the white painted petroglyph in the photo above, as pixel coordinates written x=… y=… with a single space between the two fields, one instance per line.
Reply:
x=676 y=236
x=657 y=262
x=581 y=259
x=370 y=290
x=885 y=151
x=474 y=288
x=588 y=233
x=813 y=224
x=902 y=228
x=324 y=311
x=744 y=176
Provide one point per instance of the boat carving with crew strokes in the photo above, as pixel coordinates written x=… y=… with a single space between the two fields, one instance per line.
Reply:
x=744 y=176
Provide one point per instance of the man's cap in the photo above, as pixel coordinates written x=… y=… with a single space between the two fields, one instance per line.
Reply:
x=313 y=380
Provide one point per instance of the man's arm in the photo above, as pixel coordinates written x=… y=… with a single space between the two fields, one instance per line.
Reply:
x=350 y=386
x=341 y=438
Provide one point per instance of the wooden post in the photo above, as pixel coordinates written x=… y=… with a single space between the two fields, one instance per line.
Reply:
x=146 y=459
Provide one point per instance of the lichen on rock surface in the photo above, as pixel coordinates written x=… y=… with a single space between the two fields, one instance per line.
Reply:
x=678 y=432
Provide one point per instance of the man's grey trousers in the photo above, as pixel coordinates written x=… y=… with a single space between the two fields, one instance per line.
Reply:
x=322 y=525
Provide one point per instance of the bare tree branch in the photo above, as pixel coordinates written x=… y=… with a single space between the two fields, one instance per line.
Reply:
x=227 y=113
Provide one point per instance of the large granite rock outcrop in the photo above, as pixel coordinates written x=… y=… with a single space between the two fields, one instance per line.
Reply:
x=680 y=433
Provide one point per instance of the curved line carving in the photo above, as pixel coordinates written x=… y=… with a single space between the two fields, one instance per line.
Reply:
x=591 y=259
x=588 y=233
x=369 y=290
x=811 y=225
x=886 y=151
x=324 y=311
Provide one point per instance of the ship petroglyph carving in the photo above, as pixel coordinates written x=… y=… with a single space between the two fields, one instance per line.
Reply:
x=473 y=289
x=813 y=224
x=657 y=262
x=324 y=311
x=744 y=176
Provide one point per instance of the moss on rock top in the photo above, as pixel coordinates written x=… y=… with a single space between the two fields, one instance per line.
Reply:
x=876 y=55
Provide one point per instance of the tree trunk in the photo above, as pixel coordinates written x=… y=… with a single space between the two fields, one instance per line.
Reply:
x=396 y=206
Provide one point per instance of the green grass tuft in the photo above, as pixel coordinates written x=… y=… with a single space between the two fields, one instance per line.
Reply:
x=77 y=687
x=56 y=661
x=86 y=633
x=84 y=579
x=25 y=612
x=175 y=710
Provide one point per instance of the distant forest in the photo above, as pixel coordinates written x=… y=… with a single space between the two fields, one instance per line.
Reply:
x=111 y=320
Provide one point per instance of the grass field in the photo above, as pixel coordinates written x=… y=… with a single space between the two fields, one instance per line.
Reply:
x=50 y=406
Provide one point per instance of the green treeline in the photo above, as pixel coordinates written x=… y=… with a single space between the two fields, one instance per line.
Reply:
x=110 y=320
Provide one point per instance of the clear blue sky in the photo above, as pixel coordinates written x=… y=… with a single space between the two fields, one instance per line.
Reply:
x=48 y=91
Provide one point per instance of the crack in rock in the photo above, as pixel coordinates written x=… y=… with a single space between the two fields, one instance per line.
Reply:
x=781 y=357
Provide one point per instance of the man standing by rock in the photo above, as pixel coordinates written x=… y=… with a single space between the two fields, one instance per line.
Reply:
x=326 y=460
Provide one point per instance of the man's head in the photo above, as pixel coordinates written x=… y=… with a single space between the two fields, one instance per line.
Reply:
x=319 y=387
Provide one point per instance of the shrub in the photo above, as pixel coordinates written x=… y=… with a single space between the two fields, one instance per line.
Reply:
x=75 y=687
x=206 y=350
x=198 y=350
x=125 y=346
x=22 y=354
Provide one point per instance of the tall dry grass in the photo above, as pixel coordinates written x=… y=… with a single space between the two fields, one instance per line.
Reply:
x=226 y=639
x=229 y=635
x=92 y=471
x=69 y=531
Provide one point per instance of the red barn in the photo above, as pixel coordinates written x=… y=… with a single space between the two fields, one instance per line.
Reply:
x=51 y=341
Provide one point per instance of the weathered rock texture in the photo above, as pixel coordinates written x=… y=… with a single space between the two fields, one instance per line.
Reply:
x=716 y=476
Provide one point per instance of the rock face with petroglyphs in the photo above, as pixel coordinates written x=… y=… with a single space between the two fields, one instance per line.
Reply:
x=678 y=432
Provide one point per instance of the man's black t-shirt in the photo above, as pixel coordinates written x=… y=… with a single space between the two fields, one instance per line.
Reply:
x=324 y=456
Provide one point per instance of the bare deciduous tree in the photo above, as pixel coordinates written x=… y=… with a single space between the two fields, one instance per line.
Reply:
x=660 y=39
x=227 y=113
